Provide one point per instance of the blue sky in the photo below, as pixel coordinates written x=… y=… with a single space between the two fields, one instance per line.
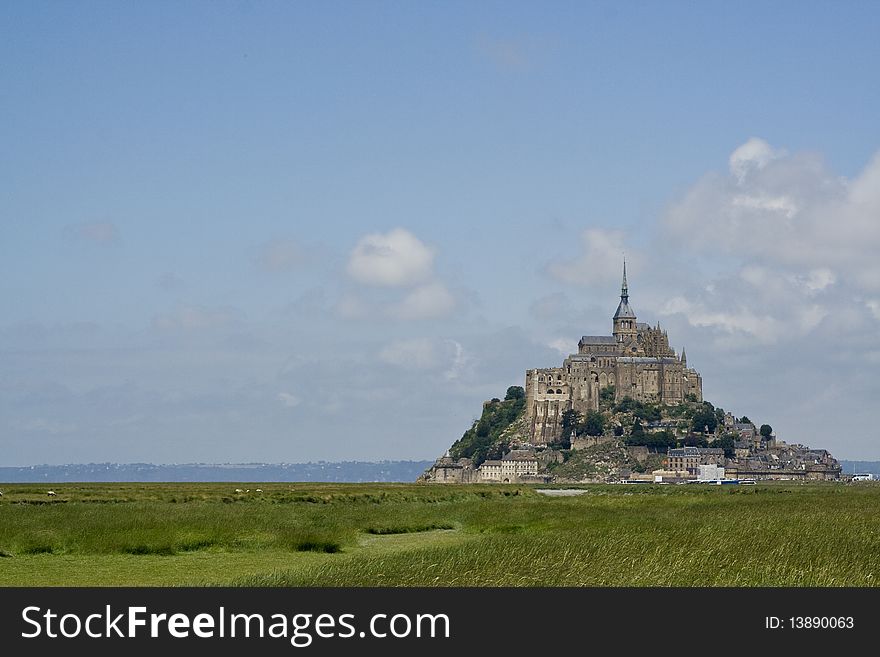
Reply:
x=192 y=195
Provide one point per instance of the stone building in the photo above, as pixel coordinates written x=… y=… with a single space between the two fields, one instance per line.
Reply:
x=635 y=361
x=691 y=458
x=447 y=470
x=515 y=467
x=518 y=466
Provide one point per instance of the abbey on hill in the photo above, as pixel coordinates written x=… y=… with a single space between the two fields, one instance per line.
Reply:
x=625 y=407
x=636 y=361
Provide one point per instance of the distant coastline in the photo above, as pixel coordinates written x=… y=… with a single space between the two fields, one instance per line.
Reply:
x=850 y=467
x=321 y=471
x=341 y=472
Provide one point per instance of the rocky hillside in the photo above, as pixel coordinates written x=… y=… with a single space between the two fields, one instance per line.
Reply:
x=501 y=425
x=621 y=438
x=600 y=463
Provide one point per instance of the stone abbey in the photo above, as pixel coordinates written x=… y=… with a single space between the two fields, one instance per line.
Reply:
x=635 y=361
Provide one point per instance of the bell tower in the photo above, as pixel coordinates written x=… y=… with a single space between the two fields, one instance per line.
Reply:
x=624 y=319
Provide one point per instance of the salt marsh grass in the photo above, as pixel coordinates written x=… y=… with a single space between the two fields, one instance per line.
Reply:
x=410 y=535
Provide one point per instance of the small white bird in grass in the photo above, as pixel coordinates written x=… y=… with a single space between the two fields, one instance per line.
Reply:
x=51 y=493
x=239 y=490
x=259 y=490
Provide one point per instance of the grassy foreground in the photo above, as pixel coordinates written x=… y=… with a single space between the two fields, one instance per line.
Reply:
x=410 y=535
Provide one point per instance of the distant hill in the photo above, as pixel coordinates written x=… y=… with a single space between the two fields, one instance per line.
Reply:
x=342 y=471
x=849 y=467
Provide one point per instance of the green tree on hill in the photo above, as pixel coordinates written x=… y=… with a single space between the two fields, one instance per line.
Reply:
x=515 y=392
x=727 y=443
x=570 y=421
x=640 y=410
x=694 y=440
x=704 y=420
x=593 y=424
x=483 y=437
x=657 y=441
x=766 y=430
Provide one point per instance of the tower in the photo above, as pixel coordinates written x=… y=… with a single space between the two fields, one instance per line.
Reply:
x=624 y=318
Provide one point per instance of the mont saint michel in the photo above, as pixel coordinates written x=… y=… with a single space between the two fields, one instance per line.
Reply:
x=625 y=407
x=634 y=362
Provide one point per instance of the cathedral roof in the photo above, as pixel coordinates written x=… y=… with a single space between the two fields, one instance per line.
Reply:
x=623 y=310
x=598 y=339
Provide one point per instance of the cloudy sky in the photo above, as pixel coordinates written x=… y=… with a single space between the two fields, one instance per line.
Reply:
x=301 y=231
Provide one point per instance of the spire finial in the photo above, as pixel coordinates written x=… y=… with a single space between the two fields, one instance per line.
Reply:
x=624 y=291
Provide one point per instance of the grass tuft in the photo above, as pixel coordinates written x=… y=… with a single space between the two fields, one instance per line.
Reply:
x=319 y=546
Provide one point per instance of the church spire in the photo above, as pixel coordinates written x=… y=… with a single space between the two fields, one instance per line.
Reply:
x=624 y=318
x=684 y=358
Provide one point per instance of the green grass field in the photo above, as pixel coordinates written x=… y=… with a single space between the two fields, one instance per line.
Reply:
x=410 y=535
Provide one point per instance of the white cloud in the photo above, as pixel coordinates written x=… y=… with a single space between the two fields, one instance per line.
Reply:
x=793 y=247
x=281 y=255
x=460 y=361
x=601 y=261
x=786 y=210
x=817 y=280
x=395 y=259
x=782 y=205
x=757 y=303
x=429 y=301
x=755 y=154
x=734 y=320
